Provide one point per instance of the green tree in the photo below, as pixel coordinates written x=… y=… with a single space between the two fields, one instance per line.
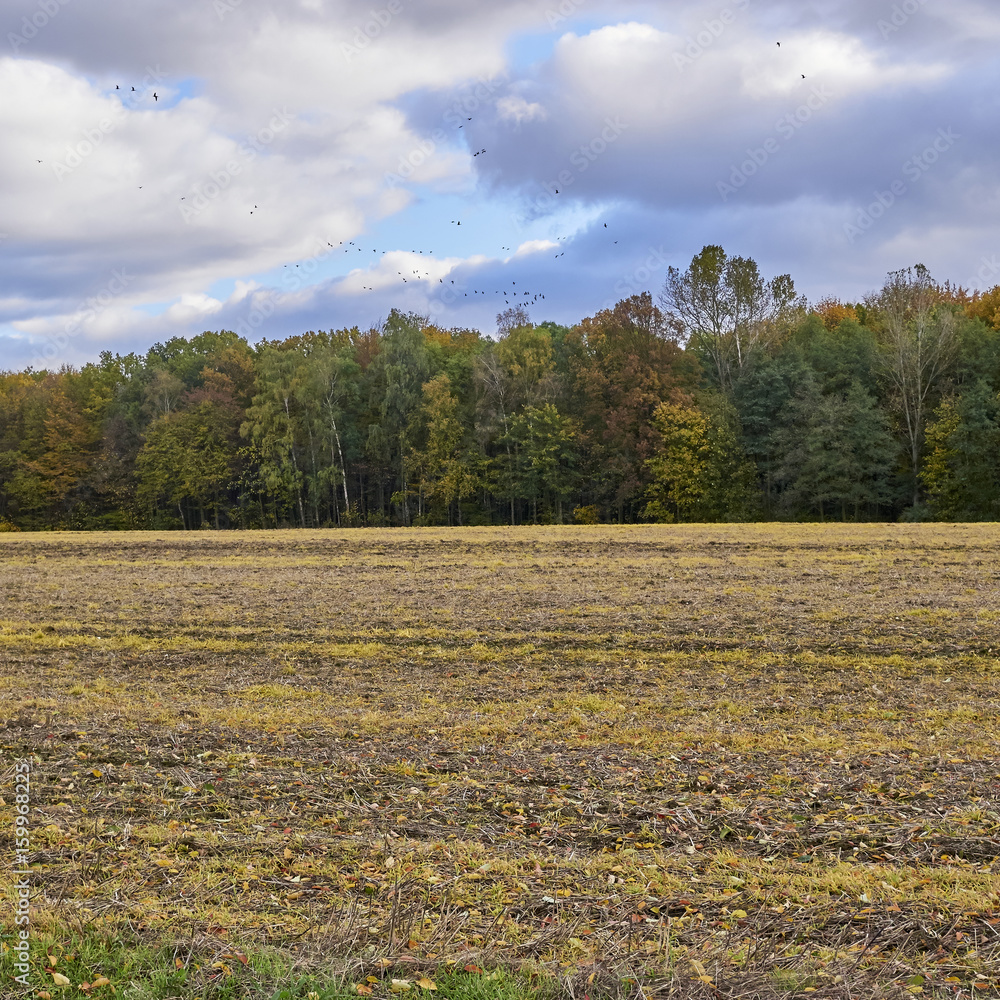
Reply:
x=839 y=454
x=395 y=378
x=273 y=425
x=545 y=448
x=961 y=471
x=699 y=472
x=436 y=465
x=187 y=463
x=726 y=309
x=919 y=340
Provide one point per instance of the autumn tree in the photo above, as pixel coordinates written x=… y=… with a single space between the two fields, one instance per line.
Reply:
x=436 y=464
x=725 y=309
x=622 y=363
x=919 y=339
x=698 y=470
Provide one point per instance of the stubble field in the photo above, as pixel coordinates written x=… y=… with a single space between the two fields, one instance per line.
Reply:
x=694 y=761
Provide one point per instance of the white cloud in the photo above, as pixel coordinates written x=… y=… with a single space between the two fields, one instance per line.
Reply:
x=513 y=108
x=264 y=111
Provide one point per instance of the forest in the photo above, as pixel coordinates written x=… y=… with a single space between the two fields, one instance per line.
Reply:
x=728 y=398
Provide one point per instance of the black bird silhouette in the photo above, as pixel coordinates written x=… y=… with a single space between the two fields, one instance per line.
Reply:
x=156 y=97
x=605 y=225
x=133 y=90
x=116 y=86
x=779 y=45
x=803 y=76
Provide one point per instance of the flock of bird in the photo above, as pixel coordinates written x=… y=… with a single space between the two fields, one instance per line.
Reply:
x=510 y=295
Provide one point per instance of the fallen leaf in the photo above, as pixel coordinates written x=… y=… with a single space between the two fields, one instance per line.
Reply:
x=59 y=979
x=426 y=984
x=362 y=990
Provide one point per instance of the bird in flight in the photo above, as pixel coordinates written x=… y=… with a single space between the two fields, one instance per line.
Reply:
x=155 y=96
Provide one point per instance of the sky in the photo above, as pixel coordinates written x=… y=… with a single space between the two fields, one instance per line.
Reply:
x=278 y=166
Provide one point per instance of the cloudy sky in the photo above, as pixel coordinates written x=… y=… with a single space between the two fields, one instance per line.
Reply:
x=284 y=165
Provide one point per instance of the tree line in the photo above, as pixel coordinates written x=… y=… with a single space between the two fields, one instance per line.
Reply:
x=729 y=399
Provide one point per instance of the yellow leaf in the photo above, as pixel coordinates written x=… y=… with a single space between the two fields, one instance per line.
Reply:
x=698 y=967
x=100 y=982
x=96 y=773
x=43 y=995
x=59 y=979
x=705 y=979
x=52 y=960
x=385 y=962
x=740 y=914
x=288 y=853
x=363 y=990
x=426 y=984
x=399 y=985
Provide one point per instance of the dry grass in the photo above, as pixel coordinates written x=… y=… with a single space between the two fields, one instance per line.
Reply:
x=765 y=756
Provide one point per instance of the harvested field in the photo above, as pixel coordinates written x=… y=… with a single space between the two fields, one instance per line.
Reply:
x=705 y=761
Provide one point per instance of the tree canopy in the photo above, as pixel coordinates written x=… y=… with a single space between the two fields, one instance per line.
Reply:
x=728 y=398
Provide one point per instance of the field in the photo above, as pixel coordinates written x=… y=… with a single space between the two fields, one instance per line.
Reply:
x=693 y=761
